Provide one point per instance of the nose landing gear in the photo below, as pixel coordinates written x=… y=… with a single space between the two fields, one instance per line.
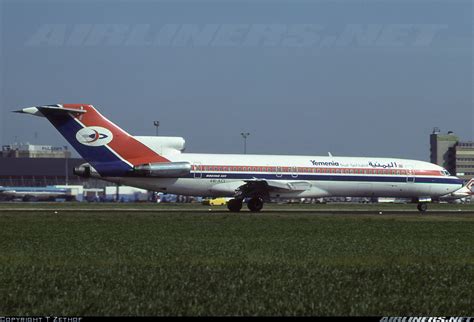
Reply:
x=422 y=207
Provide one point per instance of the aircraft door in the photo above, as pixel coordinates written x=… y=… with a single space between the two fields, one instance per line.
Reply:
x=197 y=170
x=410 y=175
x=411 y=187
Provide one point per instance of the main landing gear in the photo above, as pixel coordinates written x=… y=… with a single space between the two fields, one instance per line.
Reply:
x=234 y=205
x=254 y=204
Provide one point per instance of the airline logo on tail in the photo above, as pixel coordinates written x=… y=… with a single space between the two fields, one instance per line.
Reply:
x=94 y=136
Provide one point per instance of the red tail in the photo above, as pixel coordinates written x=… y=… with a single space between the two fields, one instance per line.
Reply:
x=121 y=143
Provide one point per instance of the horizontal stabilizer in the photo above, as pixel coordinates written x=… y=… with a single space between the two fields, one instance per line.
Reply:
x=36 y=110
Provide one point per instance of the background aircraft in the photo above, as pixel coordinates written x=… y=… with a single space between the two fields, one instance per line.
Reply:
x=34 y=193
x=462 y=193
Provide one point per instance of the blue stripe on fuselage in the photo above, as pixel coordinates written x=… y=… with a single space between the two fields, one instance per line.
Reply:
x=328 y=177
x=100 y=157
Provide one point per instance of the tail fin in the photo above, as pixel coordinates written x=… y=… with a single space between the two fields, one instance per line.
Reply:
x=108 y=148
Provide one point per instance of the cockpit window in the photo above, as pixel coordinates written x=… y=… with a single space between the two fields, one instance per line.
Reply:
x=445 y=172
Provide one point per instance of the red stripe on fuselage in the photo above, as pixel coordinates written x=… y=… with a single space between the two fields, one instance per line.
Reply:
x=125 y=145
x=302 y=170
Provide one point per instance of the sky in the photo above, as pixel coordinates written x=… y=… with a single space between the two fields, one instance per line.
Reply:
x=350 y=77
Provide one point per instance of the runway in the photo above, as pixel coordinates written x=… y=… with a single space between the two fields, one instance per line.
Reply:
x=161 y=210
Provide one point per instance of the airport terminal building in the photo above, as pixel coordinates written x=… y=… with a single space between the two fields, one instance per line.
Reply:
x=448 y=151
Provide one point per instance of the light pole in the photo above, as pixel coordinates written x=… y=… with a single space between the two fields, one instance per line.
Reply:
x=244 y=136
x=156 y=124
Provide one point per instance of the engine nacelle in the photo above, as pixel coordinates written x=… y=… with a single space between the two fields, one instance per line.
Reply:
x=85 y=170
x=163 y=169
x=163 y=145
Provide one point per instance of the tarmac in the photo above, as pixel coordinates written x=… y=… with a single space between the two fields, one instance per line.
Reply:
x=347 y=212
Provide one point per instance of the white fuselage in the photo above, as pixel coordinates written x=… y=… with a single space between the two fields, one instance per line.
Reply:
x=303 y=176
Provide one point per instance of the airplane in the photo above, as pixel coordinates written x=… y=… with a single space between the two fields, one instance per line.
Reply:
x=159 y=164
x=462 y=193
x=34 y=193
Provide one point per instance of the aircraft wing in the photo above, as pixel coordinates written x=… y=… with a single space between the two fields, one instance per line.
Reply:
x=262 y=187
x=288 y=186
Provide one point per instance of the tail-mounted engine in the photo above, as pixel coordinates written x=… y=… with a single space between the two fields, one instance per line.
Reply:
x=85 y=170
x=163 y=169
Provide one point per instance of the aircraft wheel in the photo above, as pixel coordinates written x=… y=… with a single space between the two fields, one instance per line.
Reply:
x=422 y=206
x=255 y=204
x=234 y=205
